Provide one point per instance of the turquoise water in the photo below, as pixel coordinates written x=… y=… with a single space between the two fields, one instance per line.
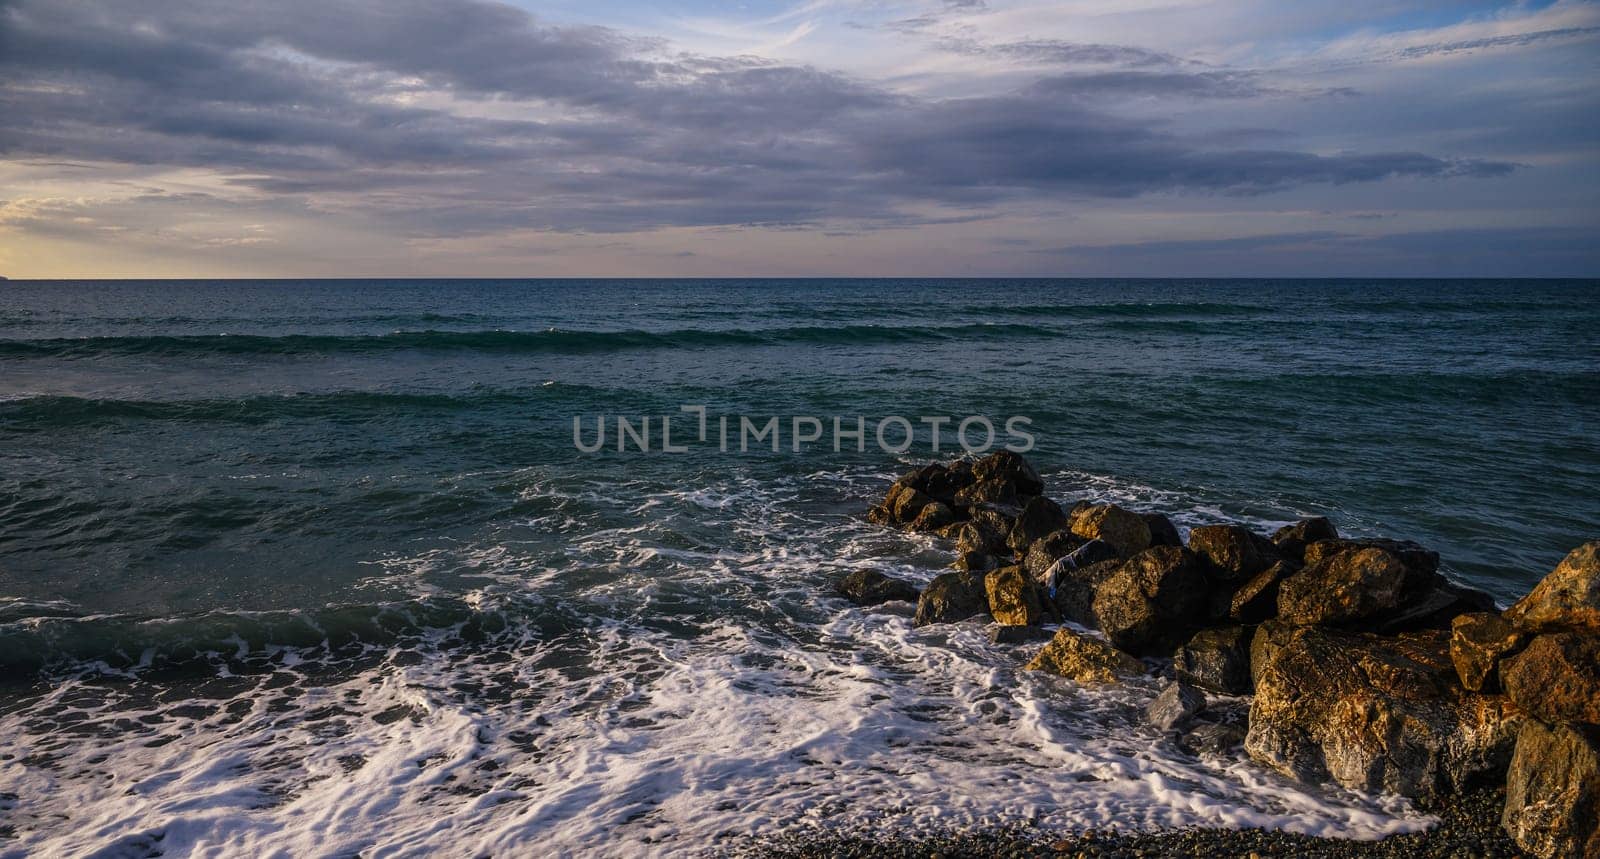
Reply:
x=328 y=485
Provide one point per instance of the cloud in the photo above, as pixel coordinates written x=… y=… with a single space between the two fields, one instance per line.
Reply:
x=440 y=118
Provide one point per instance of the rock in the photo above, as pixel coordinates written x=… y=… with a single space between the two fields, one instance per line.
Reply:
x=1212 y=738
x=1292 y=540
x=1011 y=634
x=1268 y=640
x=1436 y=608
x=1423 y=561
x=908 y=503
x=1044 y=553
x=995 y=492
x=1257 y=599
x=1234 y=553
x=1552 y=805
x=1153 y=601
x=951 y=597
x=941 y=483
x=1556 y=677
x=1012 y=597
x=1375 y=714
x=1175 y=706
x=1343 y=587
x=1567 y=598
x=975 y=562
x=1217 y=659
x=878 y=514
x=1074 y=589
x=1040 y=518
x=975 y=536
x=1124 y=530
x=932 y=517
x=1162 y=531
x=1009 y=467
x=870 y=587
x=995 y=520
x=1084 y=659
x=1478 y=642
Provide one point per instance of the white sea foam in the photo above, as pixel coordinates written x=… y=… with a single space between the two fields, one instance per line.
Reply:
x=667 y=698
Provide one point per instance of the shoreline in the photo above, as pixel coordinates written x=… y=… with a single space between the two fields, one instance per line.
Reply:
x=1469 y=825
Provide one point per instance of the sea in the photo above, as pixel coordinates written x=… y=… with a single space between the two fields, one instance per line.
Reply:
x=321 y=568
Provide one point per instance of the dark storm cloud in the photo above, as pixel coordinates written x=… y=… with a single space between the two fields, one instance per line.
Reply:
x=394 y=110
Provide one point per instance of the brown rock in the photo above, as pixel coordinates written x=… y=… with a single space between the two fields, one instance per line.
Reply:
x=870 y=587
x=951 y=597
x=1084 y=659
x=1478 y=642
x=1153 y=601
x=908 y=503
x=995 y=520
x=1009 y=467
x=991 y=491
x=1234 y=553
x=1423 y=562
x=1375 y=714
x=1075 y=589
x=975 y=536
x=1217 y=659
x=1257 y=599
x=1567 y=598
x=1013 y=600
x=975 y=562
x=1040 y=518
x=1162 y=531
x=1044 y=553
x=1124 y=530
x=1556 y=677
x=1343 y=587
x=932 y=517
x=1552 y=805
x=1293 y=539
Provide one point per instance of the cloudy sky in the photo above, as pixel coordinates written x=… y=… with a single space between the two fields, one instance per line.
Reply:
x=829 y=137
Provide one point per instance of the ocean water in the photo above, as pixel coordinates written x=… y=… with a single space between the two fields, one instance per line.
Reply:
x=315 y=568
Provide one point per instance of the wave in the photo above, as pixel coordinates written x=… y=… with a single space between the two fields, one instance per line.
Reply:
x=554 y=341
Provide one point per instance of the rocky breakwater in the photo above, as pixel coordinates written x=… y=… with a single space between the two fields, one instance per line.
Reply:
x=1358 y=662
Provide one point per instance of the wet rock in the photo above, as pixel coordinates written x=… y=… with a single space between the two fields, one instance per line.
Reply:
x=1044 y=553
x=975 y=536
x=975 y=562
x=1424 y=562
x=951 y=597
x=1552 y=807
x=1009 y=467
x=1212 y=738
x=1568 y=598
x=1073 y=589
x=1040 y=518
x=878 y=514
x=1124 y=530
x=1011 y=634
x=908 y=502
x=1234 y=553
x=1217 y=659
x=1268 y=640
x=1292 y=540
x=1013 y=599
x=996 y=520
x=1084 y=659
x=1357 y=584
x=870 y=587
x=1257 y=599
x=1162 y=531
x=992 y=492
x=1153 y=601
x=1435 y=608
x=1375 y=714
x=1175 y=707
x=932 y=517
x=1478 y=642
x=941 y=483
x=1556 y=677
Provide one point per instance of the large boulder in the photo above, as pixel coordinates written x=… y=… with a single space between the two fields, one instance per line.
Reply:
x=1013 y=599
x=1040 y=517
x=975 y=561
x=1044 y=553
x=1478 y=641
x=1071 y=590
x=908 y=502
x=1162 y=531
x=1009 y=467
x=993 y=491
x=1424 y=562
x=1217 y=659
x=1552 y=805
x=1292 y=540
x=1568 y=598
x=1125 y=530
x=1435 y=608
x=870 y=587
x=932 y=517
x=1357 y=584
x=1257 y=599
x=1084 y=659
x=1556 y=677
x=951 y=597
x=1376 y=714
x=977 y=536
x=1234 y=553
x=1153 y=601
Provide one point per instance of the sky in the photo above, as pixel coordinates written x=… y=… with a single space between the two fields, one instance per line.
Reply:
x=615 y=138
